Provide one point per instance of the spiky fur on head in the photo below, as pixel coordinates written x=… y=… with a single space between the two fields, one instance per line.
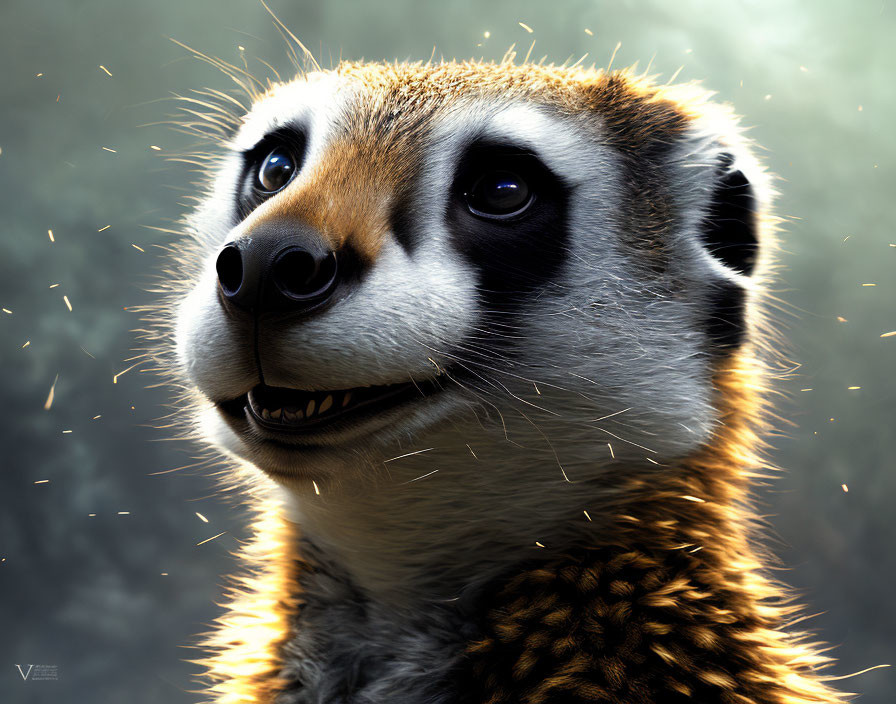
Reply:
x=633 y=436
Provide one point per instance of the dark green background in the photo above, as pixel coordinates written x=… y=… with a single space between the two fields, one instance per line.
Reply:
x=814 y=79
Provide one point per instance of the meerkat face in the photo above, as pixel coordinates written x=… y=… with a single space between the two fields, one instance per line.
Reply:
x=560 y=255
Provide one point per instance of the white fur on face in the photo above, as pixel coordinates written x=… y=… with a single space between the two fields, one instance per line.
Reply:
x=608 y=367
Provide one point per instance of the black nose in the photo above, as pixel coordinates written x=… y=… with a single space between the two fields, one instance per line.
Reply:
x=280 y=266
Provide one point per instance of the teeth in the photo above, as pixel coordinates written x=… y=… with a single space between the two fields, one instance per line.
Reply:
x=348 y=397
x=309 y=411
x=276 y=414
x=325 y=404
x=265 y=413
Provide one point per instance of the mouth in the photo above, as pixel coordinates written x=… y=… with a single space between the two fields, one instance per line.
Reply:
x=293 y=412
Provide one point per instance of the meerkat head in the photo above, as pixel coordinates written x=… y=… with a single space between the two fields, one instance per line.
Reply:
x=552 y=261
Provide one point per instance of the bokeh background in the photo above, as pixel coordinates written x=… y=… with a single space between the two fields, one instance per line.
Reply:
x=87 y=592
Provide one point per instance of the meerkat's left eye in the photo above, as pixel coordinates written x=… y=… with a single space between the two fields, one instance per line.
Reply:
x=276 y=170
x=499 y=194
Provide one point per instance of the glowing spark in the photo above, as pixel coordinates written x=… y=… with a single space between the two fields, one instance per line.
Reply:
x=539 y=544
x=845 y=488
x=110 y=150
x=124 y=371
x=136 y=247
x=201 y=517
x=68 y=303
x=103 y=229
x=26 y=344
x=589 y=32
x=805 y=389
x=889 y=334
x=853 y=388
x=91 y=515
x=155 y=148
x=53 y=285
x=42 y=481
x=694 y=499
x=124 y=513
x=869 y=284
x=105 y=69
x=39 y=75
x=48 y=404
x=841 y=319
x=7 y=311
x=612 y=454
x=586 y=515
x=164 y=574
x=50 y=233
x=409 y=454
x=203 y=542
x=486 y=34
x=66 y=432
x=96 y=417
x=240 y=47
x=526 y=27
x=831 y=420
x=316 y=487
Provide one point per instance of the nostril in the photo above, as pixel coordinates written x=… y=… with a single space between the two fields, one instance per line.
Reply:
x=300 y=275
x=230 y=269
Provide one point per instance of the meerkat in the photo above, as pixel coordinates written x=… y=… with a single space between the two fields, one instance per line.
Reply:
x=486 y=345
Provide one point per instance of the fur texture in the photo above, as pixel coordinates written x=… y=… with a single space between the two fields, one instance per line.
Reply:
x=568 y=519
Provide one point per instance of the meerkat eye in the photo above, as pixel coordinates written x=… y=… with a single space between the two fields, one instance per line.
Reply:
x=276 y=170
x=499 y=194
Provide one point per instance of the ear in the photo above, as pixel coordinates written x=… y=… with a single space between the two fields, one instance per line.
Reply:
x=729 y=233
x=729 y=229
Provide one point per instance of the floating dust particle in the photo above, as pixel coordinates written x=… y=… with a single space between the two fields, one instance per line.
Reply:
x=316 y=487
x=845 y=488
x=138 y=248
x=91 y=515
x=846 y=238
x=58 y=97
x=892 y=244
x=27 y=343
x=830 y=420
x=39 y=75
x=68 y=303
x=48 y=404
x=66 y=432
x=124 y=513
x=695 y=499
x=688 y=51
x=612 y=454
x=539 y=544
x=804 y=69
x=486 y=34
x=155 y=148
x=97 y=417
x=589 y=32
x=853 y=388
x=108 y=73
x=869 y=284
x=860 y=108
x=163 y=574
x=53 y=285
x=50 y=233
x=805 y=389
x=586 y=515
x=889 y=334
x=768 y=96
x=103 y=229
x=203 y=542
x=526 y=27
x=7 y=311
x=841 y=319
x=110 y=150
x=42 y=481
x=240 y=47
x=201 y=517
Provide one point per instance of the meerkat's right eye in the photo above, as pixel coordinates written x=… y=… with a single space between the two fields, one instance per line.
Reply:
x=276 y=170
